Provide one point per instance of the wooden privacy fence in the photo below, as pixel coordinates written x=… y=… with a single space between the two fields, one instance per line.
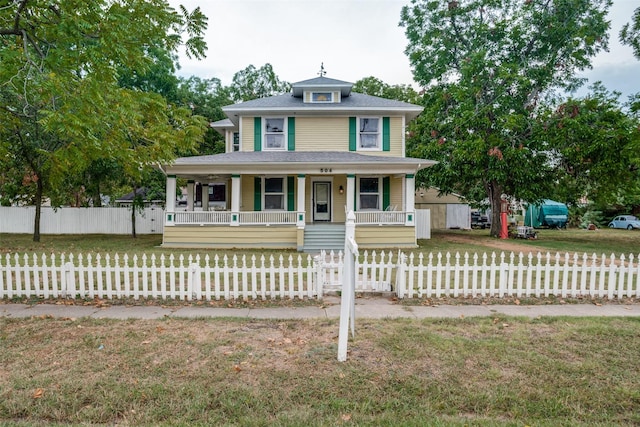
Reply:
x=196 y=277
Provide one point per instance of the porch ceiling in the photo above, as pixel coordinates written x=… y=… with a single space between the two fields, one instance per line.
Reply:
x=290 y=162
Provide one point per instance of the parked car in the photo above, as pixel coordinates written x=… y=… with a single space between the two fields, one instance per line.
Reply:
x=479 y=220
x=625 y=221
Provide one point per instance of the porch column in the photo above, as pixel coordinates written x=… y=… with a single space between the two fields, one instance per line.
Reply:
x=170 y=200
x=190 y=189
x=300 y=219
x=235 y=200
x=409 y=196
x=204 y=195
x=351 y=192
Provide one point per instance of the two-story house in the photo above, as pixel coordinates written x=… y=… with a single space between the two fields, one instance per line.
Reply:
x=294 y=165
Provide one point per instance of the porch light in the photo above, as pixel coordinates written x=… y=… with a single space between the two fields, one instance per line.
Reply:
x=341 y=189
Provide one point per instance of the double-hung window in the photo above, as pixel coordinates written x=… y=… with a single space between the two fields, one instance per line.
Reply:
x=274 y=193
x=369 y=194
x=369 y=133
x=274 y=134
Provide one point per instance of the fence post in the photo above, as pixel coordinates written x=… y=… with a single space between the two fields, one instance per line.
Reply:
x=401 y=281
x=194 y=289
x=347 y=308
x=68 y=285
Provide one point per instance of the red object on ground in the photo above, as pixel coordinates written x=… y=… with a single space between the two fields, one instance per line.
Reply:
x=504 y=226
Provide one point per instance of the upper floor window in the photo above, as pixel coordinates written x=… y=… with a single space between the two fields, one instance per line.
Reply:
x=274 y=134
x=322 y=97
x=369 y=133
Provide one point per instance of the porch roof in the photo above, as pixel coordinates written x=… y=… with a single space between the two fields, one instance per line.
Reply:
x=256 y=162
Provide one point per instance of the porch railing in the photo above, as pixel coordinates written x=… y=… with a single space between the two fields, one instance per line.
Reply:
x=380 y=217
x=281 y=217
x=203 y=217
x=276 y=217
x=226 y=217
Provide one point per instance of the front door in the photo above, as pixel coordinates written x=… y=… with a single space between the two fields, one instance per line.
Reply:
x=322 y=201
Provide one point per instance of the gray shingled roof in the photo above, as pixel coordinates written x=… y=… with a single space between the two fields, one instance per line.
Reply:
x=322 y=157
x=356 y=102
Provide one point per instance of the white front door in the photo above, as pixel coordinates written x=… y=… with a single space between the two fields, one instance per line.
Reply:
x=322 y=201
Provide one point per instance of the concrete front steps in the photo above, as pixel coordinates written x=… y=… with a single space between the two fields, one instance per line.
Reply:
x=323 y=236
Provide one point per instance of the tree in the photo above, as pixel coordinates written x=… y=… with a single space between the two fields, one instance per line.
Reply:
x=630 y=33
x=485 y=66
x=252 y=83
x=593 y=139
x=376 y=87
x=206 y=97
x=63 y=106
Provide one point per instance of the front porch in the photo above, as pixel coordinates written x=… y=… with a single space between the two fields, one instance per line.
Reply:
x=275 y=205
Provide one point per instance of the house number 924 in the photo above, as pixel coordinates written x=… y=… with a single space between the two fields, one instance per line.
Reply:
x=325 y=170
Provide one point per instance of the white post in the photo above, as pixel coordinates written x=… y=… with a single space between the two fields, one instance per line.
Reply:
x=204 y=193
x=347 y=302
x=190 y=189
x=410 y=194
x=170 y=201
x=235 y=200
x=300 y=220
x=351 y=191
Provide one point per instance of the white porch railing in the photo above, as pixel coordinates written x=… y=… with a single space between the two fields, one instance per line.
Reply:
x=203 y=217
x=266 y=217
x=380 y=217
x=226 y=217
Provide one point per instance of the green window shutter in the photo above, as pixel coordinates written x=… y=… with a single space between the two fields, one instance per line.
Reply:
x=257 y=194
x=291 y=193
x=386 y=134
x=352 y=134
x=386 y=188
x=257 y=134
x=291 y=137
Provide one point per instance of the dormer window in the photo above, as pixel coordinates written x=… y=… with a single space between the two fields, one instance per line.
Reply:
x=321 y=96
x=274 y=134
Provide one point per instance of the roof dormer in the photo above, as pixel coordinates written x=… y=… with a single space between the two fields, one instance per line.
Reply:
x=321 y=90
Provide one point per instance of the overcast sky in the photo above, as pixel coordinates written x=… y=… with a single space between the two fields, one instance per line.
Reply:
x=353 y=38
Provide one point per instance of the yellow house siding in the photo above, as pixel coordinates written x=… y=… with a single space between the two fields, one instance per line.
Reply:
x=395 y=198
x=231 y=237
x=322 y=134
x=246 y=193
x=381 y=237
x=246 y=134
x=326 y=134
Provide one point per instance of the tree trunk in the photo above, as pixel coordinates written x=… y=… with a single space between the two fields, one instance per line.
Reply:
x=38 y=201
x=133 y=212
x=494 y=191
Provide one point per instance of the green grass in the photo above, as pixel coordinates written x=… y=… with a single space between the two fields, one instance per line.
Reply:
x=601 y=241
x=473 y=241
x=496 y=371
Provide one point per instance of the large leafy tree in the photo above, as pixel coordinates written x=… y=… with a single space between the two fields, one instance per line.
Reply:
x=205 y=97
x=376 y=87
x=593 y=142
x=252 y=83
x=486 y=65
x=630 y=33
x=63 y=105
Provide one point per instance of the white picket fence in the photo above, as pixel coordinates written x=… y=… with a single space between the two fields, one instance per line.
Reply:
x=300 y=276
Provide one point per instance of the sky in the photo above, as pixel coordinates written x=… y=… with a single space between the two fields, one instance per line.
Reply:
x=352 y=38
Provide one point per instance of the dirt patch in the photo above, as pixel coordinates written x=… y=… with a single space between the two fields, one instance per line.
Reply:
x=503 y=245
